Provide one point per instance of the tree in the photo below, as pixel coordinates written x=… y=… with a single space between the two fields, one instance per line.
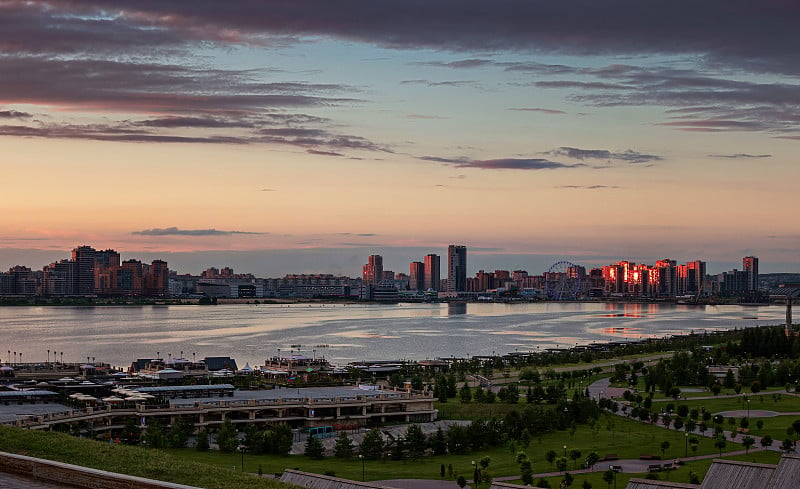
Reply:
x=730 y=380
x=586 y=484
x=755 y=387
x=415 y=441
x=371 y=446
x=278 y=440
x=226 y=438
x=574 y=455
x=441 y=471
x=748 y=442
x=343 y=447
x=787 y=445
x=720 y=444
x=550 y=456
x=438 y=442
x=314 y=448
x=561 y=464
x=179 y=434
x=465 y=394
x=760 y=424
x=766 y=441
x=541 y=482
x=132 y=432
x=693 y=443
x=683 y=410
x=608 y=477
x=568 y=479
x=592 y=459
x=716 y=388
x=461 y=481
x=201 y=444
x=664 y=447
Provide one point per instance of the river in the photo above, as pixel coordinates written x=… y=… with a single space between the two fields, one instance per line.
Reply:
x=344 y=333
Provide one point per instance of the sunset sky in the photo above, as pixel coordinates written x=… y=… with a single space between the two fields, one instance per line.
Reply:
x=301 y=136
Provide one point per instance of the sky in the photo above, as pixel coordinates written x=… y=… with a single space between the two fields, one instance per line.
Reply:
x=302 y=136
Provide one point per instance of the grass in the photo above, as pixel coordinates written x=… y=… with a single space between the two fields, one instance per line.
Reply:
x=152 y=464
x=626 y=439
x=699 y=467
x=786 y=403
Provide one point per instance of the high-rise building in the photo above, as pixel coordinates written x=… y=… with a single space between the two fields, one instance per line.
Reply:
x=84 y=257
x=750 y=265
x=433 y=274
x=416 y=274
x=456 y=268
x=696 y=276
x=372 y=272
x=667 y=278
x=157 y=279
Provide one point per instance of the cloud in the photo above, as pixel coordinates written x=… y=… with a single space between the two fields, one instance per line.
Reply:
x=460 y=64
x=323 y=153
x=502 y=163
x=628 y=156
x=194 y=122
x=589 y=187
x=538 y=109
x=431 y=83
x=739 y=155
x=174 y=231
x=737 y=33
x=14 y=114
x=424 y=117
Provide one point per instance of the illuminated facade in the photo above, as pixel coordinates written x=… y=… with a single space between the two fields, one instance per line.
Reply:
x=750 y=265
x=433 y=274
x=372 y=272
x=416 y=275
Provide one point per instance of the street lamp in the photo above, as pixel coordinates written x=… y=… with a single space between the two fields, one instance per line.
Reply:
x=565 y=451
x=686 y=445
x=474 y=475
x=361 y=457
x=242 y=448
x=748 y=409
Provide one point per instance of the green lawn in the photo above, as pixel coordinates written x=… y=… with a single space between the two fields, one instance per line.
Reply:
x=626 y=439
x=700 y=467
x=786 y=403
x=153 y=464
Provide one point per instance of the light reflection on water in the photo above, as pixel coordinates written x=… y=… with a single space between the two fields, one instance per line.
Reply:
x=342 y=333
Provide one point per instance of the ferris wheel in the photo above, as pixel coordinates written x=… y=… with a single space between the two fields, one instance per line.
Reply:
x=562 y=281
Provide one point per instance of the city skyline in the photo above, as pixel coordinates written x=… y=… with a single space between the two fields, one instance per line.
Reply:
x=300 y=138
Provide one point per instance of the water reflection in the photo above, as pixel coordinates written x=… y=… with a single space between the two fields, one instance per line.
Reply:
x=456 y=308
x=359 y=331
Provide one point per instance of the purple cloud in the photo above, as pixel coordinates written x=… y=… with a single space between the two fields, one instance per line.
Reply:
x=502 y=163
x=174 y=231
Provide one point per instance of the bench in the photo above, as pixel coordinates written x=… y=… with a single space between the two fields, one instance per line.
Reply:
x=646 y=456
x=610 y=456
x=654 y=468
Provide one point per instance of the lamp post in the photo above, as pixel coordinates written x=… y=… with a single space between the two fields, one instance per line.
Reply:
x=565 y=451
x=361 y=457
x=242 y=449
x=686 y=445
x=748 y=409
x=474 y=475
